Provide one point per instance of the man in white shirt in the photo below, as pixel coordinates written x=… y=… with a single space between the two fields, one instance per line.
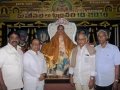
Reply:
x=82 y=64
x=11 y=64
x=35 y=68
x=107 y=63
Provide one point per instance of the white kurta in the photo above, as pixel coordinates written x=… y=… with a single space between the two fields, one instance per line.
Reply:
x=34 y=66
x=11 y=66
x=85 y=67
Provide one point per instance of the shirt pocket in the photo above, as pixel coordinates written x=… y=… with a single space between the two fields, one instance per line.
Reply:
x=108 y=56
x=12 y=60
x=87 y=59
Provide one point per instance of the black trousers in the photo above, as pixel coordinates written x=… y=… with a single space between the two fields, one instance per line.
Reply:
x=104 y=88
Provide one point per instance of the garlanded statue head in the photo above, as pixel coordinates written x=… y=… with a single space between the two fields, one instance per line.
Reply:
x=23 y=35
x=60 y=30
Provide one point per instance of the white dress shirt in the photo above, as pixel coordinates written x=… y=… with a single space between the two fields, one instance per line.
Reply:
x=11 y=66
x=106 y=59
x=84 y=68
x=34 y=66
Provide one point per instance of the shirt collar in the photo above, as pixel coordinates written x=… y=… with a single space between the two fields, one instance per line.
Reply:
x=34 y=52
x=13 y=48
x=106 y=46
x=82 y=47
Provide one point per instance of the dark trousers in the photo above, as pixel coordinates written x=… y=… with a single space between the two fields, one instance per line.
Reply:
x=104 y=88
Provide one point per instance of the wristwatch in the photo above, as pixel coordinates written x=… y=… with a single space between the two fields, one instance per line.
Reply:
x=91 y=78
x=116 y=80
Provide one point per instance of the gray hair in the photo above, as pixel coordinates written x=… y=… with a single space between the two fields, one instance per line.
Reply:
x=82 y=33
x=102 y=31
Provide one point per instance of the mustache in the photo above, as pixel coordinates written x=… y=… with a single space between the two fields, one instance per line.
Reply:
x=14 y=41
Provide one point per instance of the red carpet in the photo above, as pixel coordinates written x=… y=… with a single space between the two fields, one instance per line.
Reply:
x=63 y=87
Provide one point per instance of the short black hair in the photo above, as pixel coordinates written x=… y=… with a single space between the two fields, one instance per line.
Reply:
x=34 y=39
x=81 y=32
x=13 y=32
